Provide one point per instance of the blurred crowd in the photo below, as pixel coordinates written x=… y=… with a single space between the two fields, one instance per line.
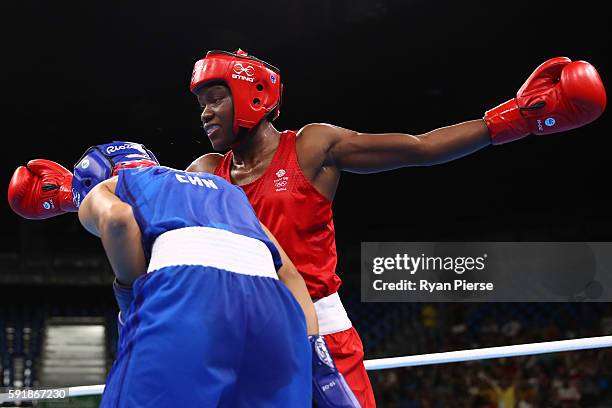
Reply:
x=556 y=380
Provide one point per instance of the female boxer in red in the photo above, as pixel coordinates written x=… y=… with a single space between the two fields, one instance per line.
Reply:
x=291 y=177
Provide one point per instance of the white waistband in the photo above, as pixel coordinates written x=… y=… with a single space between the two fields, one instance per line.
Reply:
x=213 y=247
x=332 y=315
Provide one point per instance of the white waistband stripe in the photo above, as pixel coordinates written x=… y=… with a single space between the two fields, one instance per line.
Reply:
x=213 y=247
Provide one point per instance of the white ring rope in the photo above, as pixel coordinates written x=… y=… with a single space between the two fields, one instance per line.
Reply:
x=490 y=352
x=86 y=390
x=528 y=349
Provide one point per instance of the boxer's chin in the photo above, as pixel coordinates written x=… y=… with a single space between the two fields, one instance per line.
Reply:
x=218 y=142
x=220 y=145
x=222 y=142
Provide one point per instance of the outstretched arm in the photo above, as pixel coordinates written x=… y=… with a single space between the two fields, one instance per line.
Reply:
x=370 y=153
x=560 y=95
x=289 y=275
x=104 y=215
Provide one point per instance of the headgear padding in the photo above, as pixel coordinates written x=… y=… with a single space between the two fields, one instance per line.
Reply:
x=101 y=162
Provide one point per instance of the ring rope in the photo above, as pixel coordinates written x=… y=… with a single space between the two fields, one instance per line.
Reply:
x=516 y=350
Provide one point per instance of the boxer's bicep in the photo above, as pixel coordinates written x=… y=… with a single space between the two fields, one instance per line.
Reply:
x=370 y=153
x=344 y=149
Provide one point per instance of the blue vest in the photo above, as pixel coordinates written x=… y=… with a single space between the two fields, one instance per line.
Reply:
x=165 y=199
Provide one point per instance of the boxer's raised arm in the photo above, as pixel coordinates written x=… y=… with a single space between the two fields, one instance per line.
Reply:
x=104 y=215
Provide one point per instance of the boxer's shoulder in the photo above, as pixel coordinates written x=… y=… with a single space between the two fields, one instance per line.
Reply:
x=322 y=136
x=317 y=132
x=313 y=144
x=206 y=163
x=314 y=140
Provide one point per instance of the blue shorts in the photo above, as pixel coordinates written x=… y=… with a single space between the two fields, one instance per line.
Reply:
x=198 y=336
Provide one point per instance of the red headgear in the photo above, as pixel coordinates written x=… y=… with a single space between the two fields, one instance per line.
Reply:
x=255 y=85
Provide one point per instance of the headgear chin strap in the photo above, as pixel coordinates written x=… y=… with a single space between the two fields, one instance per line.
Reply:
x=255 y=85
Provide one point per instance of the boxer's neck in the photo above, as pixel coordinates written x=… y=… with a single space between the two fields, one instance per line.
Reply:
x=257 y=147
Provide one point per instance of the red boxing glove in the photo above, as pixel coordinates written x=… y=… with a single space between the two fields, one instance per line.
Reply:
x=42 y=189
x=560 y=95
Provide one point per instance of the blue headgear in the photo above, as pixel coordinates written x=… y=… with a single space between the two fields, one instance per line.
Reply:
x=101 y=162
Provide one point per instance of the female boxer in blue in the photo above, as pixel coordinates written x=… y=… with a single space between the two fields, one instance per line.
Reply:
x=210 y=324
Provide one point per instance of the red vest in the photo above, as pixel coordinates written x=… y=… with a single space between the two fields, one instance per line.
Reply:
x=297 y=214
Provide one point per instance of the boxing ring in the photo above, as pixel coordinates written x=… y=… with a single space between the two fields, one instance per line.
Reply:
x=528 y=349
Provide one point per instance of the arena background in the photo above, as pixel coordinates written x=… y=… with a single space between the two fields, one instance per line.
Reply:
x=76 y=74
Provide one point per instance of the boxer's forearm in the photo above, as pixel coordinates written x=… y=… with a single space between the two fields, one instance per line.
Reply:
x=295 y=283
x=452 y=142
x=289 y=275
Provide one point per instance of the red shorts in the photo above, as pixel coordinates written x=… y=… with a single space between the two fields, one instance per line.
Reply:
x=347 y=350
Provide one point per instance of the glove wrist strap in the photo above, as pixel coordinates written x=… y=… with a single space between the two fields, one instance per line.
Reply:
x=505 y=123
x=65 y=196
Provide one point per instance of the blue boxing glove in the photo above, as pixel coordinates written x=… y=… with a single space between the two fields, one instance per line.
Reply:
x=124 y=295
x=329 y=387
x=102 y=162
